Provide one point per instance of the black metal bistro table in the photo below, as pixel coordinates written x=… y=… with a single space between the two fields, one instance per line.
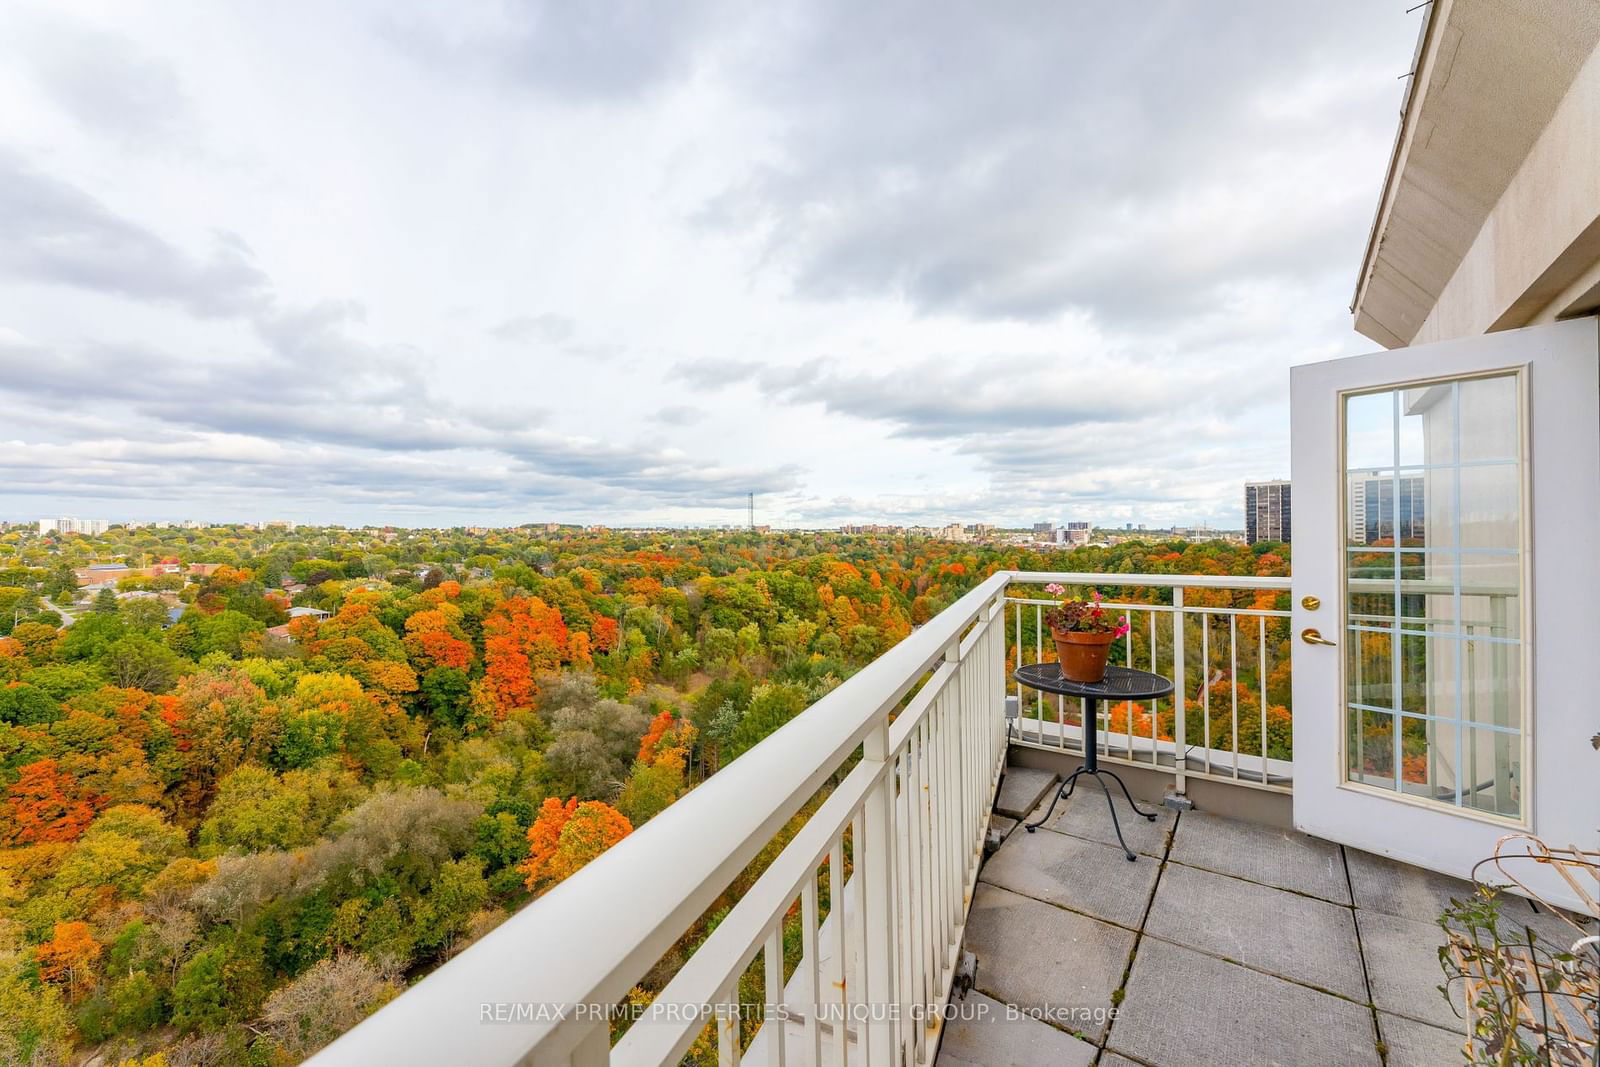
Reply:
x=1119 y=683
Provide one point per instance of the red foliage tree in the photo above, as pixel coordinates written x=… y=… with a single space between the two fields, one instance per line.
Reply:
x=45 y=804
x=603 y=634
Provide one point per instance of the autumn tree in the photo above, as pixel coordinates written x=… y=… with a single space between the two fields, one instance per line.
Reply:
x=657 y=778
x=567 y=836
x=121 y=851
x=433 y=639
x=523 y=638
x=38 y=640
x=69 y=956
x=44 y=804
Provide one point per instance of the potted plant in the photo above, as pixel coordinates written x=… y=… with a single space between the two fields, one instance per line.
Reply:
x=1083 y=632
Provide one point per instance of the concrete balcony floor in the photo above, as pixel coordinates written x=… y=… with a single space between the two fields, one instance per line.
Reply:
x=1226 y=942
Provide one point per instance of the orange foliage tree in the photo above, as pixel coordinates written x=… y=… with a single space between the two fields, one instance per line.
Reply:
x=69 y=955
x=603 y=633
x=46 y=804
x=522 y=637
x=567 y=836
x=430 y=638
x=667 y=742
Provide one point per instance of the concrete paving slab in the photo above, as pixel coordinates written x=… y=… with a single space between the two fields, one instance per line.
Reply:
x=1414 y=1044
x=1184 y=1007
x=985 y=1033
x=1292 y=936
x=1111 y=1059
x=1403 y=969
x=1286 y=859
x=1037 y=956
x=1004 y=823
x=1085 y=815
x=1549 y=925
x=1395 y=888
x=1020 y=792
x=1082 y=875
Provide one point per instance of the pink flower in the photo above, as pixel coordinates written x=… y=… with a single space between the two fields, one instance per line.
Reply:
x=1055 y=589
x=1095 y=593
x=1122 y=627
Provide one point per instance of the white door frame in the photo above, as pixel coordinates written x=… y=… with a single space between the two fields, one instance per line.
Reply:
x=1560 y=363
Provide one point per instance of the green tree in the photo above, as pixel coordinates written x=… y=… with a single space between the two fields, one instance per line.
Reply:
x=444 y=912
x=224 y=632
x=445 y=695
x=144 y=613
x=26 y=705
x=105 y=603
x=254 y=811
x=90 y=636
x=138 y=662
x=16 y=604
x=649 y=789
x=770 y=707
x=62 y=579
x=198 y=998
x=137 y=1003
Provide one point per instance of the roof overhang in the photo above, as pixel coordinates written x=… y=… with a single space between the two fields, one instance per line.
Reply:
x=1487 y=78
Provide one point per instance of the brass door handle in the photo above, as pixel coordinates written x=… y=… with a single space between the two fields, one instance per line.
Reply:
x=1312 y=636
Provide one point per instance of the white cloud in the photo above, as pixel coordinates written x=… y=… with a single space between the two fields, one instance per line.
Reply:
x=506 y=262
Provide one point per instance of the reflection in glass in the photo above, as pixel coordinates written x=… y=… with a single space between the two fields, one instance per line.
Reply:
x=1371 y=748
x=1428 y=758
x=1493 y=761
x=1432 y=522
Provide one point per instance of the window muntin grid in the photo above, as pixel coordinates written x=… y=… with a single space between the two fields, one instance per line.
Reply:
x=1433 y=532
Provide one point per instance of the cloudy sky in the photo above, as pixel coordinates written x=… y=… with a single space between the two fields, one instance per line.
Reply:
x=438 y=264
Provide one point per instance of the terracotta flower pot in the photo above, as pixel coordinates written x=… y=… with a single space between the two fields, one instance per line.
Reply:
x=1083 y=656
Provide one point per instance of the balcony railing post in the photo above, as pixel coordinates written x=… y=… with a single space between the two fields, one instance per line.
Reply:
x=882 y=921
x=1179 y=698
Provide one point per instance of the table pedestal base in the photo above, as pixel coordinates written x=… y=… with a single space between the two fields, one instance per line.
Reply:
x=1100 y=776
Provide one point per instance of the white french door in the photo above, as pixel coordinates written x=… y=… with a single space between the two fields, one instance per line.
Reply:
x=1446 y=584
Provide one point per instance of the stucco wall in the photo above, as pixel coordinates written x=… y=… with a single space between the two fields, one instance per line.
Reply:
x=1537 y=257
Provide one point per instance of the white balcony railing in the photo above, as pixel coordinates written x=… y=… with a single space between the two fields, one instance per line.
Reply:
x=858 y=919
x=1210 y=733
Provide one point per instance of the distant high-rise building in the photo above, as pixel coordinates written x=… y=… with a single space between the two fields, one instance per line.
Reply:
x=1077 y=533
x=1374 y=508
x=1043 y=531
x=1266 y=511
x=73 y=526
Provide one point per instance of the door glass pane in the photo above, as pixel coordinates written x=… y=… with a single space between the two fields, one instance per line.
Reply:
x=1432 y=523
x=1369 y=669
x=1427 y=758
x=1369 y=430
x=1490 y=506
x=1492 y=781
x=1371 y=748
